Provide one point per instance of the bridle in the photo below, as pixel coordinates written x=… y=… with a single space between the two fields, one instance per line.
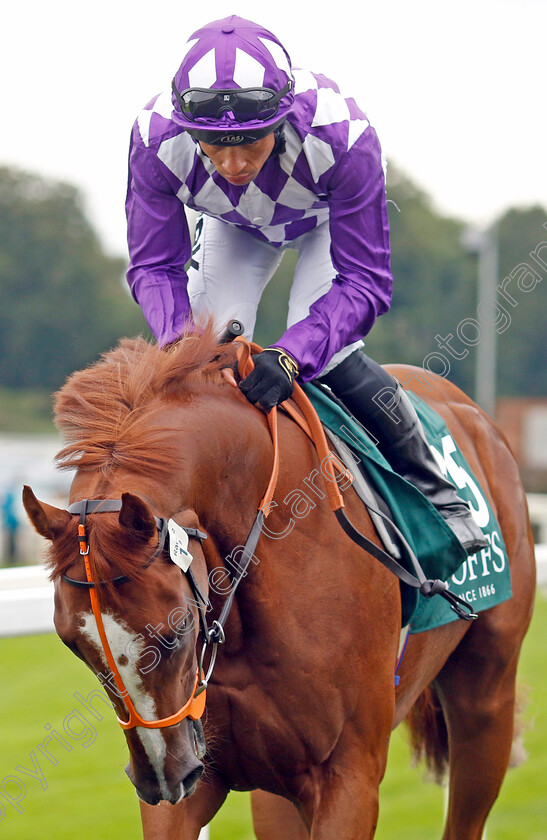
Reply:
x=195 y=705
x=211 y=635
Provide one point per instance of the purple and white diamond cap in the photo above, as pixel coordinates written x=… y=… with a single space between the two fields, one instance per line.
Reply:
x=234 y=53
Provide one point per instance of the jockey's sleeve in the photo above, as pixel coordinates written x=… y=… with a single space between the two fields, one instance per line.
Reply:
x=159 y=246
x=361 y=290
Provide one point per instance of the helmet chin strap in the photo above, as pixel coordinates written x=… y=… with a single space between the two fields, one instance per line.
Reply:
x=280 y=145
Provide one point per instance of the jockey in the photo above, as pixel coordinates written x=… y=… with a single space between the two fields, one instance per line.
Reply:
x=274 y=157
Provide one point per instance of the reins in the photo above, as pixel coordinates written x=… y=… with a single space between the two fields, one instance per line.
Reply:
x=309 y=421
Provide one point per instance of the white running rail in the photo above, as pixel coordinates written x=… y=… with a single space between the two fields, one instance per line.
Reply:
x=26 y=597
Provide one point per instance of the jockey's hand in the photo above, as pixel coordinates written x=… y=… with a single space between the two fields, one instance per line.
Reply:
x=272 y=379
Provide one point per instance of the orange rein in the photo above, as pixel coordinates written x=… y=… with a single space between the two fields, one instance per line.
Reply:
x=308 y=420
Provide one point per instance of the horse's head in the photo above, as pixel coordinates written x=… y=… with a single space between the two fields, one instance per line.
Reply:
x=140 y=636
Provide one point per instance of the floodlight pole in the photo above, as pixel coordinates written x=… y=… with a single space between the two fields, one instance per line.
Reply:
x=486 y=362
x=484 y=243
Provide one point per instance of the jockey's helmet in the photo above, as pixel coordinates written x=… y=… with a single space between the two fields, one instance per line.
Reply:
x=235 y=83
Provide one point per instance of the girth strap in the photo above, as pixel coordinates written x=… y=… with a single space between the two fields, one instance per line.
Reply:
x=427 y=587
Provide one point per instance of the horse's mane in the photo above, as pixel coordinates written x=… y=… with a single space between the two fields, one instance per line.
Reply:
x=108 y=413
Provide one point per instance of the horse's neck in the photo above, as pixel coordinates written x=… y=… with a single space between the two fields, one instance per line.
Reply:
x=230 y=467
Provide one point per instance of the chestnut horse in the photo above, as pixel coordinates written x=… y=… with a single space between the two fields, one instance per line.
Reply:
x=302 y=701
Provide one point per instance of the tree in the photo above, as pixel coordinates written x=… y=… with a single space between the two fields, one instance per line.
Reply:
x=433 y=283
x=435 y=295
x=62 y=301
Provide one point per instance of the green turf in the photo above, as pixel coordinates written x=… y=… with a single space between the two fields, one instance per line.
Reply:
x=89 y=797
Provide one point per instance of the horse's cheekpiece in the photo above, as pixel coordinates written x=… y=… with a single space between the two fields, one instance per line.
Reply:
x=195 y=705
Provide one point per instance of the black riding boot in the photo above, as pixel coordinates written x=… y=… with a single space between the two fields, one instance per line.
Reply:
x=380 y=404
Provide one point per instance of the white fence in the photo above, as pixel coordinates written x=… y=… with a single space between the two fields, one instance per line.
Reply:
x=26 y=601
x=537 y=507
x=26 y=597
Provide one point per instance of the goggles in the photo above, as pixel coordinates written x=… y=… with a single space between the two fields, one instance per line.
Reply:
x=245 y=103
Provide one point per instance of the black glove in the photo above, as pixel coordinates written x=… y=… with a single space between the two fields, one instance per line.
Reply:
x=272 y=380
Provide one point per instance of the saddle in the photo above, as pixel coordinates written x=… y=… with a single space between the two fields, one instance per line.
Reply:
x=408 y=524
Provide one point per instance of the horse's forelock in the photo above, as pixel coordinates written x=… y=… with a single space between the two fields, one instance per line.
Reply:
x=112 y=551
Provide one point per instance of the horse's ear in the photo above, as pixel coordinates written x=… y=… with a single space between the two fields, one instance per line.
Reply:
x=49 y=521
x=229 y=376
x=135 y=516
x=227 y=362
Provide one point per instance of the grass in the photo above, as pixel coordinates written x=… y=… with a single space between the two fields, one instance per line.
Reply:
x=88 y=796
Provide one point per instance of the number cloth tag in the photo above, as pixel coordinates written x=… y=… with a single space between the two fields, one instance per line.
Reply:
x=178 y=546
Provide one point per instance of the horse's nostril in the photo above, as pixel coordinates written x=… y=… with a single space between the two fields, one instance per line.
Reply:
x=192 y=779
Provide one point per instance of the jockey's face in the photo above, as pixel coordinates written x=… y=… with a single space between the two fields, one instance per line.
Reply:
x=240 y=165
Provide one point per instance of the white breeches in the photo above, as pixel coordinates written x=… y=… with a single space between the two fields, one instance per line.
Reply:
x=231 y=269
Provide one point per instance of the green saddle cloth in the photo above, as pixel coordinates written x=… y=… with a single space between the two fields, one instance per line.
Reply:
x=483 y=580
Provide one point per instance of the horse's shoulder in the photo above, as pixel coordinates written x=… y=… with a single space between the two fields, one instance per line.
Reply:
x=462 y=415
x=430 y=387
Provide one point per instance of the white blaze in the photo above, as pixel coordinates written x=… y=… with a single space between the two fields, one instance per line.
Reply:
x=127 y=646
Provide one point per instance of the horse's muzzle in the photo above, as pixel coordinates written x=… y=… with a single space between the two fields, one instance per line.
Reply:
x=150 y=791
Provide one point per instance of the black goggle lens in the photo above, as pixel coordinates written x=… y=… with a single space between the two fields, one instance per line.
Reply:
x=246 y=104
